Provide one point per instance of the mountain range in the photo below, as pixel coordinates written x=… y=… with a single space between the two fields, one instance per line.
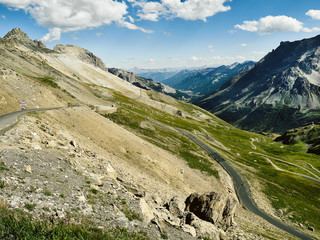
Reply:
x=99 y=154
x=203 y=81
x=281 y=92
x=156 y=74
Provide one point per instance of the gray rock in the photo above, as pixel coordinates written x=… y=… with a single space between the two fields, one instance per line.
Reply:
x=212 y=207
x=176 y=206
x=311 y=229
x=204 y=228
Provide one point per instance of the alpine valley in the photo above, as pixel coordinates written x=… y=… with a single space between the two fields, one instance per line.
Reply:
x=101 y=153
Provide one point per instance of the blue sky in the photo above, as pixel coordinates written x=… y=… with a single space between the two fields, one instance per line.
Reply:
x=165 y=33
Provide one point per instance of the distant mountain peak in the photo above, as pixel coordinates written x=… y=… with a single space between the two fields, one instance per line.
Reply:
x=17 y=34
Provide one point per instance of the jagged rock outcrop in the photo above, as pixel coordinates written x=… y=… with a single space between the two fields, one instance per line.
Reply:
x=202 y=215
x=16 y=35
x=132 y=78
x=82 y=54
x=281 y=92
x=212 y=207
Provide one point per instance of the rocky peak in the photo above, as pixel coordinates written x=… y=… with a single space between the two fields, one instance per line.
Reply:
x=17 y=34
x=81 y=53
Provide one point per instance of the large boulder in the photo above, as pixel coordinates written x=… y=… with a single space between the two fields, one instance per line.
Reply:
x=212 y=207
x=203 y=229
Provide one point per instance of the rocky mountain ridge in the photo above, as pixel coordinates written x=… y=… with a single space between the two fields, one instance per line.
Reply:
x=148 y=84
x=279 y=93
x=82 y=54
x=203 y=81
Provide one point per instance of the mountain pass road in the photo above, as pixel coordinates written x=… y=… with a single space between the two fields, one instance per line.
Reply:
x=242 y=189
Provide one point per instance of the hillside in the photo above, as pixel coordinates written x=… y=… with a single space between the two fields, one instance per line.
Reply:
x=205 y=80
x=148 y=84
x=281 y=92
x=309 y=134
x=112 y=161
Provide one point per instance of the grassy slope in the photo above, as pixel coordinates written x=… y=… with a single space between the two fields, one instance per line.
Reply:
x=19 y=225
x=297 y=197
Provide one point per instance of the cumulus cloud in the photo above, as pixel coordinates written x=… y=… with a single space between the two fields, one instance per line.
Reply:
x=314 y=14
x=66 y=16
x=188 y=10
x=243 y=45
x=3 y=17
x=272 y=24
x=151 y=10
x=53 y=35
x=61 y=16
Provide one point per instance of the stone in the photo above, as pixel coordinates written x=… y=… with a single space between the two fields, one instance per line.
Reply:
x=311 y=229
x=189 y=229
x=28 y=169
x=176 y=206
x=105 y=109
x=203 y=228
x=146 y=210
x=110 y=171
x=212 y=207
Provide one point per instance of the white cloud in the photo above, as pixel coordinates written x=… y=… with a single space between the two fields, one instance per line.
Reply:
x=131 y=19
x=314 y=14
x=210 y=48
x=272 y=24
x=151 y=10
x=67 y=16
x=243 y=45
x=132 y=26
x=188 y=10
x=53 y=35
x=3 y=17
x=99 y=34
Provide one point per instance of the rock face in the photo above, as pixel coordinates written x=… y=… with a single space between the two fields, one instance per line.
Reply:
x=212 y=207
x=81 y=53
x=281 y=92
x=309 y=134
x=208 y=215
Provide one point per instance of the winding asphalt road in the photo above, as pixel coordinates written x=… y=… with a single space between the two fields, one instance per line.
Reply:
x=242 y=189
x=10 y=119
